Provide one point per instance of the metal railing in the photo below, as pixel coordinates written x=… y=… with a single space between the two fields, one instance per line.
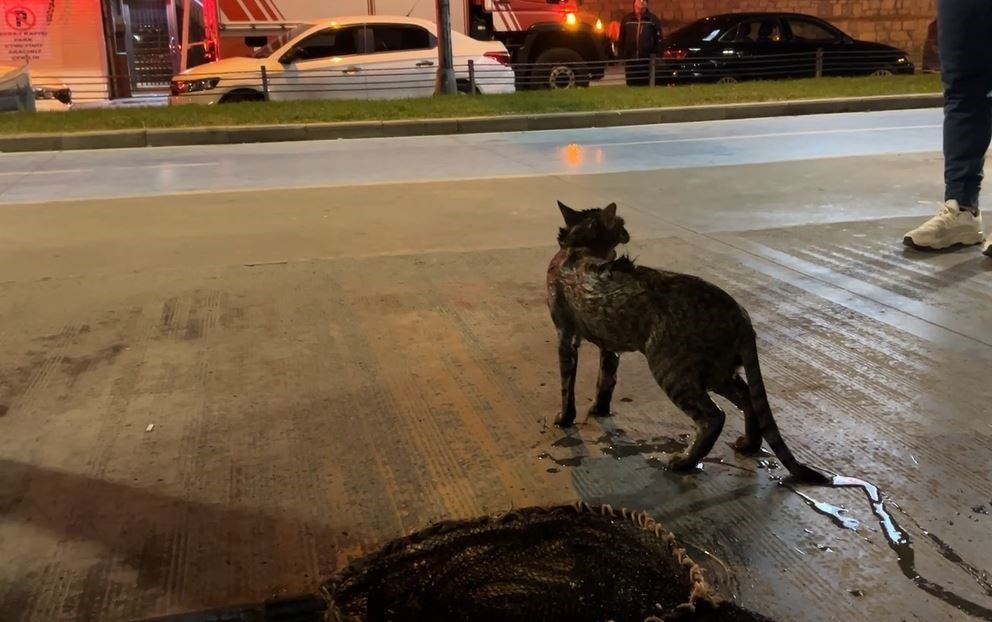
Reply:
x=344 y=81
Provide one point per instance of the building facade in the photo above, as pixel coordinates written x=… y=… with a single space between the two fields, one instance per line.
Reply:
x=902 y=23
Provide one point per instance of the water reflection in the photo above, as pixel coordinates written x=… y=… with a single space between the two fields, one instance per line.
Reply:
x=574 y=155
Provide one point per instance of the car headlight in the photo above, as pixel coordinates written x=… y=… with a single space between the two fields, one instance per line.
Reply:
x=181 y=87
x=63 y=95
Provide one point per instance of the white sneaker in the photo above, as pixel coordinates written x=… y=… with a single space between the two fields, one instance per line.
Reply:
x=952 y=226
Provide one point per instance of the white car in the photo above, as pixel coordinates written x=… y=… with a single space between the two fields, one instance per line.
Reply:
x=364 y=57
x=49 y=95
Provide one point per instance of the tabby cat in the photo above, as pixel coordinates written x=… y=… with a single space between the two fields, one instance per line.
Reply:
x=695 y=336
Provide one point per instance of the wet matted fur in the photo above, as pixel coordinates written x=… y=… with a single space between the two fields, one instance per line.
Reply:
x=695 y=336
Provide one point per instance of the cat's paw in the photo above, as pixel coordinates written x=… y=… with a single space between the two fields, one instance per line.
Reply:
x=682 y=463
x=747 y=446
x=565 y=420
x=599 y=411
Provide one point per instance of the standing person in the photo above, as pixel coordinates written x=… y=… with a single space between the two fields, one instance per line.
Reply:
x=964 y=39
x=640 y=37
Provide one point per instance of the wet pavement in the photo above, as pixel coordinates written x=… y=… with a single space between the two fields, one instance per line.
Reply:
x=214 y=399
x=325 y=164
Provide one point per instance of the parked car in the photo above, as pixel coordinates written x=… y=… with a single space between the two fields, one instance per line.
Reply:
x=738 y=46
x=362 y=57
x=49 y=94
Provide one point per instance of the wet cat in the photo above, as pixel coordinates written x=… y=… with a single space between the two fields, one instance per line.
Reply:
x=695 y=336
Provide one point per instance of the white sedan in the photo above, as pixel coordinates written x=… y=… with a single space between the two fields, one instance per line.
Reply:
x=366 y=57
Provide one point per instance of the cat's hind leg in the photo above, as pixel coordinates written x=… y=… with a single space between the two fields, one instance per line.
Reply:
x=737 y=391
x=689 y=394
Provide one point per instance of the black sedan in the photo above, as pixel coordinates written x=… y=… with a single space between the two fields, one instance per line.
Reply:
x=740 y=46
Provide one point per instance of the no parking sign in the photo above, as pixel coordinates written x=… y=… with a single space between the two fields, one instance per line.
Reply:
x=20 y=18
x=24 y=29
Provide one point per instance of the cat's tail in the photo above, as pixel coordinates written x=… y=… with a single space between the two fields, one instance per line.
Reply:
x=763 y=412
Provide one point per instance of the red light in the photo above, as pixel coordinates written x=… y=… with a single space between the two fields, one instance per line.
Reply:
x=176 y=88
x=675 y=54
x=501 y=57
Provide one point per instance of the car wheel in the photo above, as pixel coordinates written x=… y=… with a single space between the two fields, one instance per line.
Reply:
x=727 y=80
x=244 y=95
x=560 y=68
x=882 y=72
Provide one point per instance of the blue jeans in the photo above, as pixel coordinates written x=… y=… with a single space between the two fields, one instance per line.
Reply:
x=964 y=34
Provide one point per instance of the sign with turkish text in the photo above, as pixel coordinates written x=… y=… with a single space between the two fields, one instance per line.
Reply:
x=24 y=29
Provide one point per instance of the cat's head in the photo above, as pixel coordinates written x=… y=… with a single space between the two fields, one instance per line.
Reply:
x=598 y=231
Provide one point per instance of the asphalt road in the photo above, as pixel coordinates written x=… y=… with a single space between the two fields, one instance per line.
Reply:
x=142 y=172
x=226 y=371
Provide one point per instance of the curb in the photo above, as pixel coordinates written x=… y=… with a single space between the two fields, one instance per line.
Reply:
x=227 y=135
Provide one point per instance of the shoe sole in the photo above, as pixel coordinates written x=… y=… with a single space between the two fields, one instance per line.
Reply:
x=908 y=241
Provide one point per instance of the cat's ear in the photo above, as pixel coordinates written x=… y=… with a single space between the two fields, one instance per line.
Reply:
x=610 y=212
x=571 y=216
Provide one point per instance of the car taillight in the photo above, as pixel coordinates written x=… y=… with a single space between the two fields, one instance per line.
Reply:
x=176 y=87
x=675 y=54
x=500 y=57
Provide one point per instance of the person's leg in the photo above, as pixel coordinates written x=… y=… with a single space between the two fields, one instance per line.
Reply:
x=964 y=28
x=636 y=68
x=966 y=71
x=643 y=71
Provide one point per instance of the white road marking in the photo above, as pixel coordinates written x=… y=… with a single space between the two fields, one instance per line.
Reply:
x=68 y=171
x=700 y=139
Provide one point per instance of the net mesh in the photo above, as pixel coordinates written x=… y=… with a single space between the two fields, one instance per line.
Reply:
x=573 y=563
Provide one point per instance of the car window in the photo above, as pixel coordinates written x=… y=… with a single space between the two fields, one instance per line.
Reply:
x=400 y=37
x=329 y=43
x=277 y=42
x=804 y=30
x=706 y=29
x=759 y=31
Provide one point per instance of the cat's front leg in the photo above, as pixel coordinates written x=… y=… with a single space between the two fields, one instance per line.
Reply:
x=568 y=361
x=608 y=364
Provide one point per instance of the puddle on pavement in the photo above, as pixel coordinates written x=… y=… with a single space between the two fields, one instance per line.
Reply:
x=609 y=446
x=617 y=445
x=729 y=465
x=833 y=512
x=562 y=462
x=900 y=542
x=568 y=441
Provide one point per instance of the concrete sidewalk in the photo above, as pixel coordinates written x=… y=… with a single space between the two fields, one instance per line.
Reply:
x=170 y=137
x=224 y=398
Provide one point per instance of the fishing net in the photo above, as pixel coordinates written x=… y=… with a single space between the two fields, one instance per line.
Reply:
x=572 y=563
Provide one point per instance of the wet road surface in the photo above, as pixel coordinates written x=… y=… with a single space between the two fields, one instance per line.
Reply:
x=217 y=398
